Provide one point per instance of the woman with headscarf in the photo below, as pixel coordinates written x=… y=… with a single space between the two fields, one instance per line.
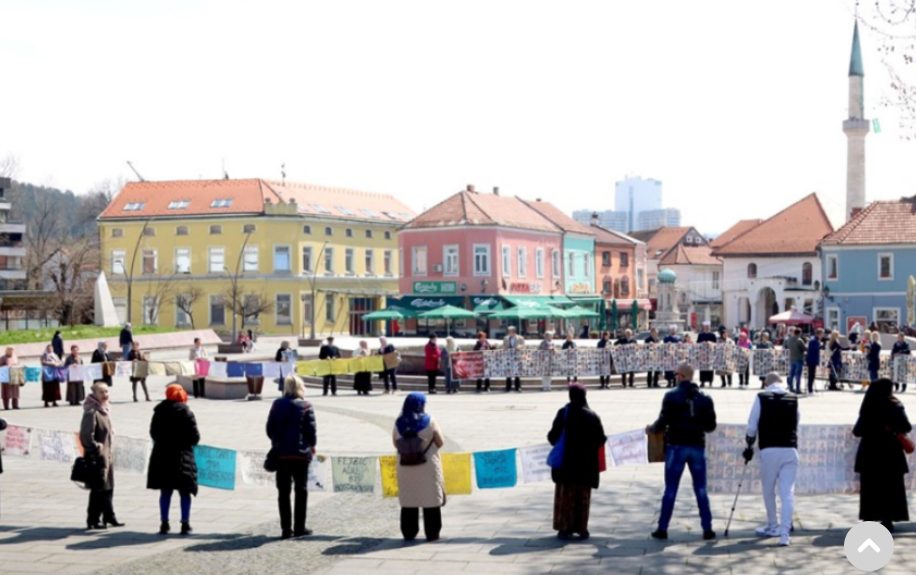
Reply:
x=293 y=436
x=874 y=356
x=96 y=437
x=362 y=380
x=836 y=349
x=578 y=473
x=451 y=384
x=483 y=384
x=172 y=466
x=57 y=344
x=422 y=485
x=744 y=342
x=432 y=354
x=9 y=391
x=880 y=460
x=570 y=343
x=50 y=381
x=76 y=390
x=101 y=355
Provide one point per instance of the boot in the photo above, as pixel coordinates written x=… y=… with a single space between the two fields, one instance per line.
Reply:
x=186 y=528
x=164 y=528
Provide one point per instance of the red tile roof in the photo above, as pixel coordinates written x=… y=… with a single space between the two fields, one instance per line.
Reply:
x=733 y=232
x=660 y=240
x=795 y=230
x=690 y=255
x=478 y=209
x=881 y=223
x=606 y=236
x=248 y=197
x=561 y=220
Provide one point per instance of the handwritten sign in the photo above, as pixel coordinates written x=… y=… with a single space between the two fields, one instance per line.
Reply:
x=534 y=463
x=124 y=369
x=495 y=469
x=155 y=368
x=251 y=468
x=388 y=465
x=272 y=369
x=467 y=365
x=353 y=474
x=140 y=369
x=457 y=470
x=173 y=368
x=254 y=369
x=32 y=374
x=215 y=467
x=131 y=454
x=92 y=371
x=17 y=441
x=4 y=374
x=317 y=479
x=218 y=369
x=201 y=367
x=628 y=448
x=375 y=363
x=308 y=368
x=55 y=446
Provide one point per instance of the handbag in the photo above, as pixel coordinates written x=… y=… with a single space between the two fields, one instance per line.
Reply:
x=271 y=462
x=906 y=443
x=85 y=472
x=555 y=457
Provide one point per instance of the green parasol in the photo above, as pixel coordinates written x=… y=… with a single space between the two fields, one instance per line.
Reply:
x=391 y=313
x=634 y=316
x=448 y=313
x=614 y=325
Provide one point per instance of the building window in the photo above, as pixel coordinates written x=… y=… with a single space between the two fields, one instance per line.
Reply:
x=182 y=319
x=282 y=263
x=149 y=232
x=329 y=308
x=885 y=266
x=450 y=258
x=522 y=262
x=606 y=287
x=249 y=228
x=507 y=261
x=370 y=262
x=306 y=308
x=150 y=263
x=833 y=319
x=306 y=259
x=887 y=318
x=539 y=263
x=348 y=260
x=715 y=280
x=481 y=259
x=386 y=262
x=624 y=259
x=217 y=310
x=120 y=304
x=348 y=232
x=387 y=235
x=329 y=260
x=345 y=211
x=751 y=271
x=284 y=309
x=606 y=259
x=587 y=260
x=216 y=230
x=572 y=265
x=134 y=206
x=181 y=231
x=369 y=234
x=182 y=260
x=419 y=261
x=328 y=232
x=250 y=259
x=833 y=267
x=118 y=258
x=807 y=272
x=117 y=232
x=624 y=286
x=555 y=263
x=216 y=261
x=221 y=203
x=307 y=230
x=179 y=204
x=321 y=209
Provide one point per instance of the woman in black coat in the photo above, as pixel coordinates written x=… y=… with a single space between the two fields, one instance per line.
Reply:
x=578 y=473
x=101 y=355
x=880 y=460
x=172 y=466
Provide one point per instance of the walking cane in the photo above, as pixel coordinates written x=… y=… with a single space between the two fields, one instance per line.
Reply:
x=735 y=503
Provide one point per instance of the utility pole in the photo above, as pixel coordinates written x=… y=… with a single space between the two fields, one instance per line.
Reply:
x=312 y=280
x=130 y=274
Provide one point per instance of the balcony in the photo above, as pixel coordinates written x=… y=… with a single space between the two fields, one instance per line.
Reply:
x=10 y=273
x=5 y=206
x=12 y=228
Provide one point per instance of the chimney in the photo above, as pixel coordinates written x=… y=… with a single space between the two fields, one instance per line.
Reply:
x=594 y=218
x=495 y=190
x=855 y=212
x=537 y=199
x=470 y=187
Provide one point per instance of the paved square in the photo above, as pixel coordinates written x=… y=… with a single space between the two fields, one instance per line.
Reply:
x=492 y=531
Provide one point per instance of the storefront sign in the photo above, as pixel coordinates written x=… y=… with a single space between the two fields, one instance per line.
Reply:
x=427 y=303
x=435 y=287
x=580 y=288
x=520 y=287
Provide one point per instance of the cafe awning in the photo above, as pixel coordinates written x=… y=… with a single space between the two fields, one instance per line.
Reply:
x=536 y=301
x=624 y=305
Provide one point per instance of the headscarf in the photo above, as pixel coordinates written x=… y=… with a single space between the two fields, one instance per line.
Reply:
x=577 y=395
x=92 y=403
x=413 y=419
x=877 y=398
x=176 y=393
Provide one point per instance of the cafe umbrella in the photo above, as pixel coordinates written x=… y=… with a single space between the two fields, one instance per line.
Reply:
x=448 y=313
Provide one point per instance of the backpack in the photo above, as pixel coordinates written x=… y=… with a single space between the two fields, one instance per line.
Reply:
x=411 y=451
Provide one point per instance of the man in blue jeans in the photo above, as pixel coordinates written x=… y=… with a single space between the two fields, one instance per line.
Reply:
x=687 y=416
x=797 y=349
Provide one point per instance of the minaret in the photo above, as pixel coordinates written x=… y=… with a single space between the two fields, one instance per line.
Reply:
x=856 y=128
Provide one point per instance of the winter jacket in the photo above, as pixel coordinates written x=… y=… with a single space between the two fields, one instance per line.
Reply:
x=126 y=337
x=329 y=352
x=291 y=428
x=813 y=355
x=173 y=430
x=96 y=437
x=687 y=416
x=569 y=345
x=879 y=451
x=900 y=348
x=57 y=343
x=796 y=348
x=874 y=356
x=584 y=437
x=433 y=354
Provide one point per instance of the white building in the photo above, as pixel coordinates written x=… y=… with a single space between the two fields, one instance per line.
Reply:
x=698 y=282
x=607 y=219
x=654 y=219
x=635 y=195
x=658 y=243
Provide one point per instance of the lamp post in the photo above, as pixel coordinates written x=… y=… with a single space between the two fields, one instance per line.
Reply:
x=130 y=274
x=235 y=287
x=312 y=282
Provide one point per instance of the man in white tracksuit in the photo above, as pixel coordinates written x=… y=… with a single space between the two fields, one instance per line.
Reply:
x=774 y=421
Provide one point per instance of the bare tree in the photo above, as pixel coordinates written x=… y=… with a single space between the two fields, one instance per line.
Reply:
x=159 y=289
x=248 y=306
x=9 y=166
x=70 y=274
x=185 y=301
x=45 y=235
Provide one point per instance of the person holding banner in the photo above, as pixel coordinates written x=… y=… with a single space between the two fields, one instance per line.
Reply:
x=672 y=337
x=483 y=345
x=197 y=352
x=420 y=484
x=774 y=418
x=687 y=416
x=136 y=355
x=652 y=341
x=836 y=350
x=9 y=391
x=813 y=357
x=390 y=374
x=513 y=341
x=50 y=381
x=101 y=355
x=570 y=344
x=293 y=437
x=432 y=357
x=76 y=390
x=901 y=348
x=329 y=351
x=172 y=466
x=362 y=380
x=96 y=436
x=451 y=383
x=627 y=339
x=744 y=342
x=874 y=356
x=603 y=343
x=583 y=436
x=881 y=460
x=547 y=345
x=706 y=336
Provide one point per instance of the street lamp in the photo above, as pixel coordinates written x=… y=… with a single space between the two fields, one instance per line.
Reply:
x=312 y=282
x=130 y=275
x=235 y=286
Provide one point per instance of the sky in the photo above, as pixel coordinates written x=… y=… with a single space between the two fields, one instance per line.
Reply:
x=736 y=107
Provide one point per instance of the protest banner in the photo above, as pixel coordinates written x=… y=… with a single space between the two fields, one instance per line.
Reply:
x=251 y=468
x=388 y=468
x=17 y=441
x=131 y=454
x=534 y=463
x=628 y=448
x=353 y=474
x=495 y=469
x=215 y=467
x=317 y=479
x=55 y=446
x=457 y=470
x=467 y=365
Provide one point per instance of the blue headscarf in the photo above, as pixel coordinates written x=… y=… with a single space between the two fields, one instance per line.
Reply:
x=413 y=419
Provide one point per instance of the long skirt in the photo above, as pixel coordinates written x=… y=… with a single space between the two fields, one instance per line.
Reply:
x=571 y=505
x=883 y=497
x=9 y=391
x=362 y=382
x=50 y=391
x=76 y=392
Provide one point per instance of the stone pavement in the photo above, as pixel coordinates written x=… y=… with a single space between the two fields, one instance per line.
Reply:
x=490 y=531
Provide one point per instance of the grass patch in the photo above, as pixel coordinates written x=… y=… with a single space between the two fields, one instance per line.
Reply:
x=76 y=332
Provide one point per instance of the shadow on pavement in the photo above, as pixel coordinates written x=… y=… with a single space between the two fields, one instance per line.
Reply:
x=26 y=534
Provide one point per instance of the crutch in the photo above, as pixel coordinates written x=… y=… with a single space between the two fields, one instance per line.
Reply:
x=735 y=503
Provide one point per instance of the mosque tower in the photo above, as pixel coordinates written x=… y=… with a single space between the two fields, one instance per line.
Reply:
x=856 y=128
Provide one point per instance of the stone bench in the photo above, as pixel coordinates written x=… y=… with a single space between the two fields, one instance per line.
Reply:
x=218 y=388
x=230 y=348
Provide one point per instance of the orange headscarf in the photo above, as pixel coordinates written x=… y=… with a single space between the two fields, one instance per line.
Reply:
x=175 y=392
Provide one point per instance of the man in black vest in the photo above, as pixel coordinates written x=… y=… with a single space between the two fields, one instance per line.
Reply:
x=774 y=419
x=329 y=351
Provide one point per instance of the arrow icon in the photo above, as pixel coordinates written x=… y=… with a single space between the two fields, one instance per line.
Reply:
x=869 y=543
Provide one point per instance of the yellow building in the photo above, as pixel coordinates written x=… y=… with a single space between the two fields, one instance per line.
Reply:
x=269 y=256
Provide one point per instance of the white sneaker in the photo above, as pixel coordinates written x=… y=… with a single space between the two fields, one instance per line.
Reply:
x=767 y=531
x=784 y=540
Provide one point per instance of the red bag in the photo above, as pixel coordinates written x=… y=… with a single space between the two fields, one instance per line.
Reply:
x=906 y=443
x=602 y=460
